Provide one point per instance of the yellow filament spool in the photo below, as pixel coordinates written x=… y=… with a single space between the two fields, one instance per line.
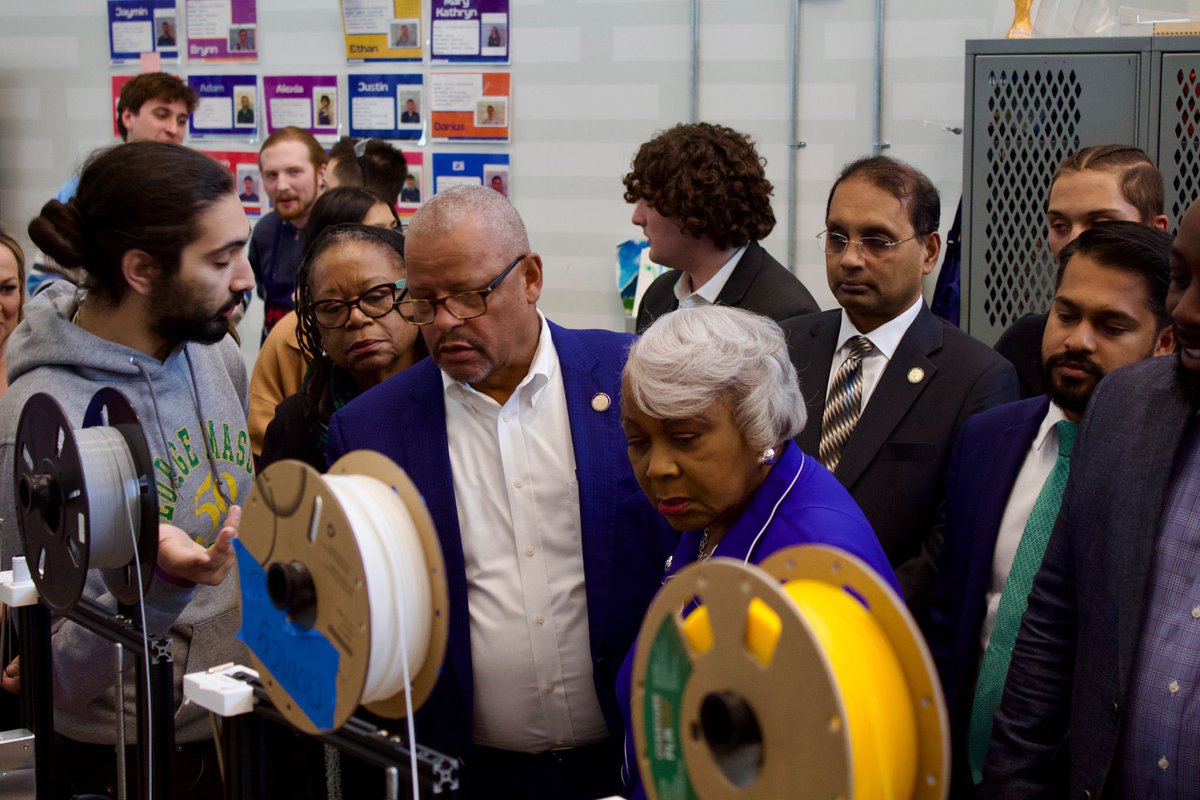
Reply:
x=879 y=713
x=842 y=690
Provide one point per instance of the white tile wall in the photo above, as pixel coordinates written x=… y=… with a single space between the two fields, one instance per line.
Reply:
x=592 y=79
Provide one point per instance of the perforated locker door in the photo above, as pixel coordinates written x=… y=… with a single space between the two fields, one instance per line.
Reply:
x=1179 y=132
x=1028 y=113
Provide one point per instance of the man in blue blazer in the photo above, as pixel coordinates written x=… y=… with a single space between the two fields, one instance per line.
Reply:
x=511 y=432
x=1108 y=312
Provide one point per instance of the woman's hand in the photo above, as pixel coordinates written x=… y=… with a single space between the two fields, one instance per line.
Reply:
x=182 y=558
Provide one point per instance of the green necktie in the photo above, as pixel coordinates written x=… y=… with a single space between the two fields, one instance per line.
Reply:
x=1013 y=600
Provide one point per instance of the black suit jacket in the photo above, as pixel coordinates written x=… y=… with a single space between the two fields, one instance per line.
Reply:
x=1057 y=729
x=895 y=462
x=758 y=283
x=1022 y=345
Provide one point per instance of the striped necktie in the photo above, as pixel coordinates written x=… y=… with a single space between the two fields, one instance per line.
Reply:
x=1013 y=600
x=844 y=404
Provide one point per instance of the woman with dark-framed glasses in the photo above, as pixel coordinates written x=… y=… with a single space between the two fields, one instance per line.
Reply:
x=348 y=286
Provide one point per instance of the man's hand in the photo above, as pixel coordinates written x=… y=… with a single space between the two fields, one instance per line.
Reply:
x=182 y=558
x=10 y=681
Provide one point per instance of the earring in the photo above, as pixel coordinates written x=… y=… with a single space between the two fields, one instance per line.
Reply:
x=767 y=457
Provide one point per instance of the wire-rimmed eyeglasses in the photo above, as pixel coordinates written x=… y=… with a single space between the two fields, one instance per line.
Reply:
x=835 y=244
x=463 y=305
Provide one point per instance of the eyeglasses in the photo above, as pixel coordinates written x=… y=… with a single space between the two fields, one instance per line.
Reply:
x=464 y=305
x=835 y=244
x=376 y=302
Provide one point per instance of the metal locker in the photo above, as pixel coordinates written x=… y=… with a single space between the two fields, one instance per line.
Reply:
x=1025 y=111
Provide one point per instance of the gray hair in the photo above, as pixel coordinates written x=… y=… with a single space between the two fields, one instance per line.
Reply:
x=692 y=357
x=449 y=208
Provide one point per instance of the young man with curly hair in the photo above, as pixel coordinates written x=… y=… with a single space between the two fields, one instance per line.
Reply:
x=703 y=201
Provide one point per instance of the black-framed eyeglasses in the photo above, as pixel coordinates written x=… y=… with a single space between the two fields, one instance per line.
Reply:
x=463 y=305
x=376 y=302
x=835 y=244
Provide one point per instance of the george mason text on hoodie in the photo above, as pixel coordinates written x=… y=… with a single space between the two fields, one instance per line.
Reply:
x=192 y=408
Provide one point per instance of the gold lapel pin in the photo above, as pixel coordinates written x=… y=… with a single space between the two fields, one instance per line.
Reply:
x=916 y=375
x=601 y=402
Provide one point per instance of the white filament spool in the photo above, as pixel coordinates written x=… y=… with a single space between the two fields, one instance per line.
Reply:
x=398 y=587
x=357 y=561
x=114 y=504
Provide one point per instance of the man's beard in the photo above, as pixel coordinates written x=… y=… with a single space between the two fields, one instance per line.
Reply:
x=301 y=209
x=181 y=317
x=1071 y=394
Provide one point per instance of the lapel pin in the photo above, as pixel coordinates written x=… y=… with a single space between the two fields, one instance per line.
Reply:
x=916 y=375
x=601 y=402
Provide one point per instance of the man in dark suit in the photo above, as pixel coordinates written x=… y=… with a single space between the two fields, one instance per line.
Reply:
x=1101 y=183
x=1102 y=687
x=1109 y=311
x=703 y=200
x=511 y=432
x=900 y=380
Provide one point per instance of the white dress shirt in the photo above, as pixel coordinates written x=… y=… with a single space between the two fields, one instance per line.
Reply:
x=707 y=294
x=886 y=338
x=518 y=511
x=1039 y=462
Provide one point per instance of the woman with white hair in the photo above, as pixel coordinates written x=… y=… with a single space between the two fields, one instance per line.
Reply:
x=709 y=406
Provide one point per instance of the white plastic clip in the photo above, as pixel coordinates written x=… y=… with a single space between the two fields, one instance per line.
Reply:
x=16 y=585
x=219 y=692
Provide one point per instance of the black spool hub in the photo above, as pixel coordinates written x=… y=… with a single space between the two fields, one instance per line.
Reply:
x=52 y=498
x=291 y=589
x=53 y=502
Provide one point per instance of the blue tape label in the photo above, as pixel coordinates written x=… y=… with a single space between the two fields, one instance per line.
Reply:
x=303 y=661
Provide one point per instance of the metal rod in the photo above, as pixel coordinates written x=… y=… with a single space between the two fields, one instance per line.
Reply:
x=877 y=143
x=694 y=66
x=794 y=143
x=155 y=692
x=392 y=778
x=37 y=690
x=119 y=658
x=155 y=696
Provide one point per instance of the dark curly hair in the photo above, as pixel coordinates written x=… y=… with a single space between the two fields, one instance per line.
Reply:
x=709 y=179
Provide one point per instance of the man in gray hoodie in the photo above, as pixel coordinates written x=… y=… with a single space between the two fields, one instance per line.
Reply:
x=160 y=233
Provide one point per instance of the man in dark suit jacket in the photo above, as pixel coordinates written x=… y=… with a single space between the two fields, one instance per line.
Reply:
x=1109 y=311
x=921 y=378
x=703 y=200
x=1104 y=673
x=511 y=432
